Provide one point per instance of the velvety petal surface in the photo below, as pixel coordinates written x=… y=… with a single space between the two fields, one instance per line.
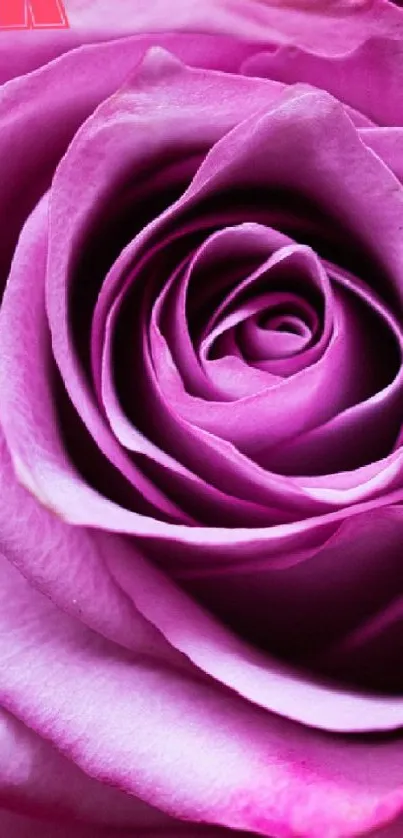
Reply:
x=28 y=399
x=36 y=780
x=246 y=775
x=345 y=75
x=258 y=22
x=61 y=95
x=193 y=524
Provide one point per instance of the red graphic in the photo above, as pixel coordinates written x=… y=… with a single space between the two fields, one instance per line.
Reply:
x=33 y=14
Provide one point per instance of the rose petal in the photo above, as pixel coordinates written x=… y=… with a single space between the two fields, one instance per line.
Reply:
x=254 y=771
x=256 y=20
x=61 y=95
x=306 y=591
x=98 y=22
x=36 y=780
x=344 y=76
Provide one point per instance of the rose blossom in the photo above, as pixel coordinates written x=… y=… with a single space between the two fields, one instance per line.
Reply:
x=201 y=422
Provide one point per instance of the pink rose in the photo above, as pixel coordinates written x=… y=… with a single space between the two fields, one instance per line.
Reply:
x=201 y=390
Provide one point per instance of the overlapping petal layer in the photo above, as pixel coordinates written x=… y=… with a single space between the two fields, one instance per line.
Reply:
x=179 y=455
x=202 y=405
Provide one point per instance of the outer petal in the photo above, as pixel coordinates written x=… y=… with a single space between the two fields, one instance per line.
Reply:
x=346 y=76
x=68 y=564
x=259 y=20
x=328 y=28
x=61 y=96
x=127 y=720
x=36 y=780
x=92 y=22
x=310 y=25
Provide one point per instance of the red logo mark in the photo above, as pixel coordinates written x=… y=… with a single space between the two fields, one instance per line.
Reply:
x=33 y=14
